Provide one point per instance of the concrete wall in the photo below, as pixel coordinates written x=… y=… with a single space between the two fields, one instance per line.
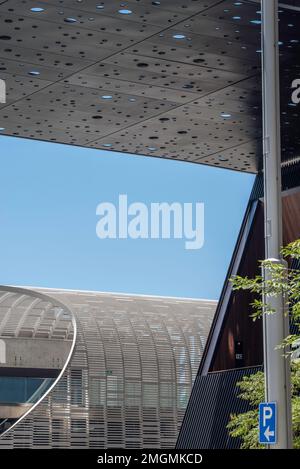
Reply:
x=35 y=353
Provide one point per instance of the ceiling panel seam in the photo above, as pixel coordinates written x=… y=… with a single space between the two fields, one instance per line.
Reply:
x=112 y=55
x=165 y=112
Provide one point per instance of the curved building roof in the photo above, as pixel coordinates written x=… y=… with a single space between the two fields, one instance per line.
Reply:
x=128 y=379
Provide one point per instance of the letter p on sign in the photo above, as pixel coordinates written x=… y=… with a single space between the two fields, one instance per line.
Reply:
x=267 y=414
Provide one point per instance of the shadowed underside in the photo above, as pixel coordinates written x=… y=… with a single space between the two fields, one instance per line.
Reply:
x=177 y=79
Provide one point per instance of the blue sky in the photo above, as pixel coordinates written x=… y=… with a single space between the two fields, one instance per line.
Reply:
x=48 y=199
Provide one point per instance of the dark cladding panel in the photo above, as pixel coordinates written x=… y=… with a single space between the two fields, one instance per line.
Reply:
x=214 y=397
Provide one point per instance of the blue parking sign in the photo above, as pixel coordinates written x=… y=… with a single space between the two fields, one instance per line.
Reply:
x=267 y=423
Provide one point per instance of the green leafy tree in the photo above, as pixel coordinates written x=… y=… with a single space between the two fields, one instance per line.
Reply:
x=280 y=281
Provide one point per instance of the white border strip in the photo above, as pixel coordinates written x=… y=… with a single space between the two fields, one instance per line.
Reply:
x=55 y=302
x=108 y=293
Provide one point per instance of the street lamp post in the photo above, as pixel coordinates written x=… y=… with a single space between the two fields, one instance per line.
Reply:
x=277 y=368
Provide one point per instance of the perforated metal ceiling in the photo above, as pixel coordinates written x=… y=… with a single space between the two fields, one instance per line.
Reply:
x=177 y=79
